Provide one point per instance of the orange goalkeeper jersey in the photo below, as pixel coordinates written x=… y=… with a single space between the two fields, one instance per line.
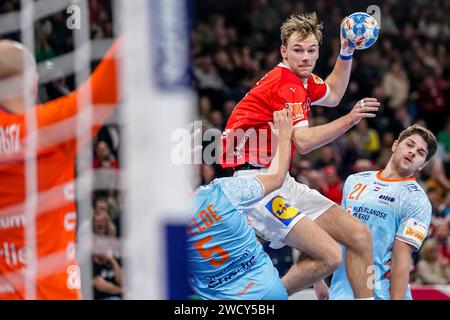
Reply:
x=57 y=272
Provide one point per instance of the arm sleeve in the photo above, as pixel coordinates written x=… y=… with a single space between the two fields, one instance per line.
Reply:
x=318 y=89
x=242 y=192
x=103 y=87
x=414 y=221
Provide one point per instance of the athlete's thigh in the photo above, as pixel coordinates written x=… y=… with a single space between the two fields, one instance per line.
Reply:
x=339 y=224
x=311 y=240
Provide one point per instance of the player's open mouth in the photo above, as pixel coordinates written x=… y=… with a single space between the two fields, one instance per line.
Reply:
x=407 y=159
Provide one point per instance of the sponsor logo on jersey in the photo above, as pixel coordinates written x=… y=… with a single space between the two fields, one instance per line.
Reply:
x=239 y=265
x=377 y=188
x=380 y=184
x=70 y=221
x=415 y=231
x=282 y=210
x=10 y=139
x=364 y=212
x=12 y=221
x=363 y=174
x=247 y=287
x=296 y=109
x=317 y=79
x=385 y=198
x=412 y=187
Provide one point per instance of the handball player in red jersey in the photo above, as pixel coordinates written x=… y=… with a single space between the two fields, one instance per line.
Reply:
x=296 y=215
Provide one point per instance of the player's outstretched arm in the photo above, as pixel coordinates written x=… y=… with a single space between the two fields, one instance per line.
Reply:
x=282 y=127
x=401 y=257
x=338 y=79
x=103 y=85
x=307 y=139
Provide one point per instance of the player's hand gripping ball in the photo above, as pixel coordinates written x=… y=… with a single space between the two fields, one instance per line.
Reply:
x=361 y=29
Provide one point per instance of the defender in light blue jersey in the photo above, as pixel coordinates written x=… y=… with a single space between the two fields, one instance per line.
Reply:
x=225 y=258
x=396 y=209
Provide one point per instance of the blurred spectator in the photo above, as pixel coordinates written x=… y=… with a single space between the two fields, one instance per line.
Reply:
x=55 y=84
x=446 y=207
x=444 y=136
x=107 y=277
x=300 y=169
x=315 y=180
x=327 y=156
x=333 y=184
x=395 y=86
x=206 y=74
x=366 y=138
x=208 y=174
x=400 y=120
x=43 y=50
x=432 y=268
x=228 y=107
x=438 y=181
x=441 y=233
x=385 y=153
x=432 y=102
x=216 y=119
x=61 y=39
x=102 y=224
x=364 y=165
x=103 y=156
x=105 y=232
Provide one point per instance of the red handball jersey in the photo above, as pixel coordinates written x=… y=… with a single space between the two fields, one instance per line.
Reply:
x=246 y=138
x=57 y=271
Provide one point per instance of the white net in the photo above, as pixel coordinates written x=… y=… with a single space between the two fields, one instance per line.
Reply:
x=81 y=203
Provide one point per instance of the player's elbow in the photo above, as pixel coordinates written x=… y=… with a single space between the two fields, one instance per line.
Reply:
x=336 y=93
x=303 y=140
x=304 y=147
x=334 y=102
x=333 y=99
x=305 y=150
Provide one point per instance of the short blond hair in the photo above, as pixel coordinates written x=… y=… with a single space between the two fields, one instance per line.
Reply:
x=305 y=24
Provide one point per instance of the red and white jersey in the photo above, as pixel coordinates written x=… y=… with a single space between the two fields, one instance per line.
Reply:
x=247 y=135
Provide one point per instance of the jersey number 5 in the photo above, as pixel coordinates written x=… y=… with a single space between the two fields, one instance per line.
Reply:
x=207 y=253
x=357 y=190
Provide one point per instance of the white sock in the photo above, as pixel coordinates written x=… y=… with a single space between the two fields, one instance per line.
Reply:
x=370 y=298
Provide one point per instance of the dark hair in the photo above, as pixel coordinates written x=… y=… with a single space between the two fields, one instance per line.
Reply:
x=426 y=135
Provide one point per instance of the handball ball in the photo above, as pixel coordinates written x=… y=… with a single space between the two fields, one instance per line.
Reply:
x=361 y=29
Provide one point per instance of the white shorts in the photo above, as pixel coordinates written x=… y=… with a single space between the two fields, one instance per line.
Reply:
x=275 y=215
